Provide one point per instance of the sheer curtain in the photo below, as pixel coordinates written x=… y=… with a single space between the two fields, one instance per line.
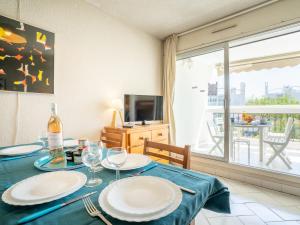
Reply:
x=169 y=74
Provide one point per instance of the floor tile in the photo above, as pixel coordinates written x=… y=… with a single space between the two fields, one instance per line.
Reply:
x=201 y=219
x=251 y=220
x=240 y=210
x=284 y=199
x=288 y=213
x=261 y=198
x=224 y=221
x=263 y=212
x=284 y=223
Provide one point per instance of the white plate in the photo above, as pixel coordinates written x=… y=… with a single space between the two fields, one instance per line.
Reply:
x=134 y=161
x=38 y=196
x=141 y=195
x=20 y=150
x=103 y=202
x=70 y=143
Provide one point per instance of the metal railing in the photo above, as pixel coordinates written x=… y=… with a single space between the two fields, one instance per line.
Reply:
x=276 y=115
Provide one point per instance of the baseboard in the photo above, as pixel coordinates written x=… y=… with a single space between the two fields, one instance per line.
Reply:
x=278 y=182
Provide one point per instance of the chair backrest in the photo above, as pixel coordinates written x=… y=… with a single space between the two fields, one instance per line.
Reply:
x=112 y=139
x=184 y=153
x=213 y=128
x=289 y=128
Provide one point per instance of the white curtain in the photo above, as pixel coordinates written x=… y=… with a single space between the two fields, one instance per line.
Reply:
x=169 y=74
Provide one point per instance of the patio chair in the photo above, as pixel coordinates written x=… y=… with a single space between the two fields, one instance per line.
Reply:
x=240 y=140
x=217 y=137
x=278 y=143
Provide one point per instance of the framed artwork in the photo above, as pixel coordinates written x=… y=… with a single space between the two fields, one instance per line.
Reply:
x=26 y=57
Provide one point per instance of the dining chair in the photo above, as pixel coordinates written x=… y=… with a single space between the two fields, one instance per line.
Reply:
x=278 y=143
x=177 y=155
x=112 y=139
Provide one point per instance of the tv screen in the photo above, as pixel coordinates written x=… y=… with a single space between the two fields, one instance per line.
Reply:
x=143 y=107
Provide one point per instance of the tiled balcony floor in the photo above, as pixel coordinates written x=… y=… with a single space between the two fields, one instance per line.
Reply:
x=292 y=150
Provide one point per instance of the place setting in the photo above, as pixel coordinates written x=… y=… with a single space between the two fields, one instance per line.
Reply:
x=120 y=198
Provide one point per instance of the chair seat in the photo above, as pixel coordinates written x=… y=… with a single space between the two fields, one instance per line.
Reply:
x=275 y=140
x=241 y=140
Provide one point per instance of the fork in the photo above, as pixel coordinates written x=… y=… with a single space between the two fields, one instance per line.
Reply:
x=93 y=211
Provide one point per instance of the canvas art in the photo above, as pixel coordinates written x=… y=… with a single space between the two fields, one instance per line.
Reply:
x=26 y=57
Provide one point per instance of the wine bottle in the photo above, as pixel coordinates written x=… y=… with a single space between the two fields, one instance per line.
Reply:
x=55 y=137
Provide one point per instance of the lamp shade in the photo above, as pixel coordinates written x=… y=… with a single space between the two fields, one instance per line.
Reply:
x=117 y=104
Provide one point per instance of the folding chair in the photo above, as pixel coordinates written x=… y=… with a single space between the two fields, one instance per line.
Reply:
x=216 y=136
x=279 y=142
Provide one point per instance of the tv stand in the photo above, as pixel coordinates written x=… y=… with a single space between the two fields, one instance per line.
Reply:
x=134 y=137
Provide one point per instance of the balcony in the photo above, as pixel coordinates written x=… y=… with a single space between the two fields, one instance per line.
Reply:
x=259 y=152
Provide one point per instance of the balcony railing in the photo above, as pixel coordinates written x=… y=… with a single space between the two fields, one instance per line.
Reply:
x=276 y=115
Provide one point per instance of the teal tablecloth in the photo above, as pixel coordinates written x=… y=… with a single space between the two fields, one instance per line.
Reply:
x=211 y=194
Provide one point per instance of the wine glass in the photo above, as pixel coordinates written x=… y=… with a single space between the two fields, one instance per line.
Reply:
x=43 y=140
x=91 y=157
x=116 y=157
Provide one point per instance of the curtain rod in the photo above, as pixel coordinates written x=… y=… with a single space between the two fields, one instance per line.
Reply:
x=258 y=6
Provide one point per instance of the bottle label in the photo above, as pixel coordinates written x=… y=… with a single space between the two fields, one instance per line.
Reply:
x=55 y=140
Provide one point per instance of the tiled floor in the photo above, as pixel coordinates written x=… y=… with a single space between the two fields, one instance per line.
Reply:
x=251 y=205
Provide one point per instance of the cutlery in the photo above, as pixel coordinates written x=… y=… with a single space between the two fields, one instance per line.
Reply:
x=186 y=190
x=181 y=172
x=17 y=157
x=51 y=209
x=144 y=170
x=93 y=211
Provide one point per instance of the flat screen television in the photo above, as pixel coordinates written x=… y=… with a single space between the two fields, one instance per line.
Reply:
x=143 y=108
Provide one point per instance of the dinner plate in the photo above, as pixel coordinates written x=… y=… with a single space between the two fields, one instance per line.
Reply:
x=20 y=150
x=105 y=205
x=70 y=143
x=44 y=188
x=125 y=195
x=133 y=161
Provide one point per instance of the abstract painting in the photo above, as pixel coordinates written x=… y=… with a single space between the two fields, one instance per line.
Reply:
x=26 y=57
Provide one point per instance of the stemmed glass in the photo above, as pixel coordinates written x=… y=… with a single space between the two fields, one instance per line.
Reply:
x=117 y=157
x=91 y=157
x=42 y=138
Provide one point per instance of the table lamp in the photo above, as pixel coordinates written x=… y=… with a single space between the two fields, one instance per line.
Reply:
x=117 y=106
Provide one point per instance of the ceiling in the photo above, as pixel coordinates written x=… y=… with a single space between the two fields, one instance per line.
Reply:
x=164 y=17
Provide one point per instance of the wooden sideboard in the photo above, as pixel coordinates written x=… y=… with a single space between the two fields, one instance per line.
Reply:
x=134 y=137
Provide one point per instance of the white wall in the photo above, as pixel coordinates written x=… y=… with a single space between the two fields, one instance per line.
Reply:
x=269 y=17
x=97 y=58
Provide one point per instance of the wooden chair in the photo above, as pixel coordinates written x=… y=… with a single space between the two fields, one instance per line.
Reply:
x=112 y=139
x=184 y=153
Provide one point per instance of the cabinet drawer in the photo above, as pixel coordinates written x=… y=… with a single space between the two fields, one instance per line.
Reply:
x=137 y=150
x=138 y=138
x=159 y=134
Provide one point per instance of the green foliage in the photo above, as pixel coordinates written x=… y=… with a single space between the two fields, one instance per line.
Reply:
x=280 y=100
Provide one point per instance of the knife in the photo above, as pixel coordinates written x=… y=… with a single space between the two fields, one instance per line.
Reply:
x=43 y=212
x=186 y=190
x=144 y=170
x=183 y=173
x=17 y=157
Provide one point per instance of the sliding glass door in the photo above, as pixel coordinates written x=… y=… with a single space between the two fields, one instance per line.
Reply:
x=199 y=101
x=265 y=101
x=240 y=101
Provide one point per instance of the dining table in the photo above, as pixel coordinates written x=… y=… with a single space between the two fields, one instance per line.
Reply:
x=210 y=194
x=261 y=128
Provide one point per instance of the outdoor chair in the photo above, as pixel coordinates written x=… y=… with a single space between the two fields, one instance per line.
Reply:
x=278 y=143
x=217 y=137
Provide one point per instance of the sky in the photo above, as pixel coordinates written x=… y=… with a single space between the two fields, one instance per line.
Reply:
x=277 y=78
